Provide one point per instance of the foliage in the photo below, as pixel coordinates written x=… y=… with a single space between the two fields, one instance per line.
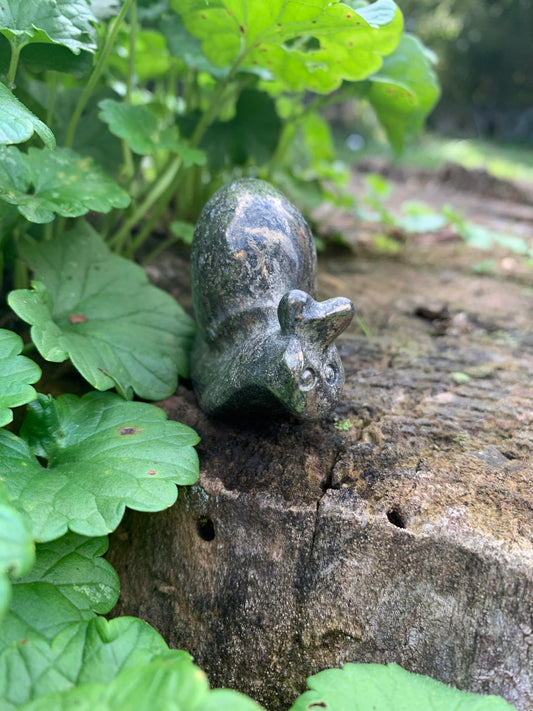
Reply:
x=17 y=550
x=17 y=123
x=131 y=457
x=403 y=91
x=16 y=374
x=99 y=310
x=185 y=82
x=42 y=183
x=418 y=217
x=69 y=582
x=276 y=37
x=362 y=687
x=468 y=36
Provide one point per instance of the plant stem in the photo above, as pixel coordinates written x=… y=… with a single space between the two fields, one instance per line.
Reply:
x=129 y=167
x=13 y=63
x=97 y=71
x=52 y=83
x=160 y=192
x=49 y=230
x=131 y=58
x=117 y=241
x=287 y=134
x=290 y=125
x=141 y=237
x=215 y=104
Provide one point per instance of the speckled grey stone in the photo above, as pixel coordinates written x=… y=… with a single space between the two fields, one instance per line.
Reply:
x=263 y=342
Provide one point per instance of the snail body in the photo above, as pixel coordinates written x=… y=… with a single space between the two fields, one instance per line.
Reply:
x=263 y=341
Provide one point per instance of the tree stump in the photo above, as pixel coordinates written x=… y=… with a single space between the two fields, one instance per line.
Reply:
x=398 y=530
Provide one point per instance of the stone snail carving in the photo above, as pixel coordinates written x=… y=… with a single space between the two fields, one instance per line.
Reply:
x=263 y=344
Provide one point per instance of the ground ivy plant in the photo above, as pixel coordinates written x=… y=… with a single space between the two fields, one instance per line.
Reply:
x=116 y=121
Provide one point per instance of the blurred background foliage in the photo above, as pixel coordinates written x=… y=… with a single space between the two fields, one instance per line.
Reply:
x=485 y=67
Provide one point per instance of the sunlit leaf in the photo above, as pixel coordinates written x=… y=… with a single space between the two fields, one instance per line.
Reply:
x=43 y=183
x=166 y=683
x=182 y=44
x=69 y=582
x=418 y=218
x=404 y=90
x=66 y=22
x=99 y=310
x=84 y=653
x=101 y=454
x=313 y=45
x=375 y=687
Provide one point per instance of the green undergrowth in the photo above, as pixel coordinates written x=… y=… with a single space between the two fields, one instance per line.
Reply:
x=431 y=151
x=417 y=217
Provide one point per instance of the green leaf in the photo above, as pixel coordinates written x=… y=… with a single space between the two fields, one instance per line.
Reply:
x=143 y=130
x=137 y=124
x=318 y=140
x=378 y=186
x=43 y=182
x=102 y=454
x=91 y=652
x=182 y=44
x=66 y=22
x=404 y=90
x=152 y=59
x=252 y=134
x=313 y=45
x=227 y=700
x=99 y=310
x=39 y=57
x=183 y=230
x=16 y=374
x=512 y=242
x=375 y=687
x=69 y=582
x=167 y=683
x=17 y=550
x=17 y=123
x=387 y=245
x=419 y=218
x=476 y=236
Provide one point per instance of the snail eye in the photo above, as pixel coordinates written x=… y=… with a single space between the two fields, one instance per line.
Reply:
x=307 y=380
x=330 y=373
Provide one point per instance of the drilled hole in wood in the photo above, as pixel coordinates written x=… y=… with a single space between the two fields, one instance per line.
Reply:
x=206 y=529
x=396 y=518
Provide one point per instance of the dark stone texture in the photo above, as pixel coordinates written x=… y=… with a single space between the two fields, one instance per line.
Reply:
x=263 y=343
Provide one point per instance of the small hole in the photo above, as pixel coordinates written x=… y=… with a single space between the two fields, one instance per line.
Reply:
x=206 y=529
x=395 y=518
